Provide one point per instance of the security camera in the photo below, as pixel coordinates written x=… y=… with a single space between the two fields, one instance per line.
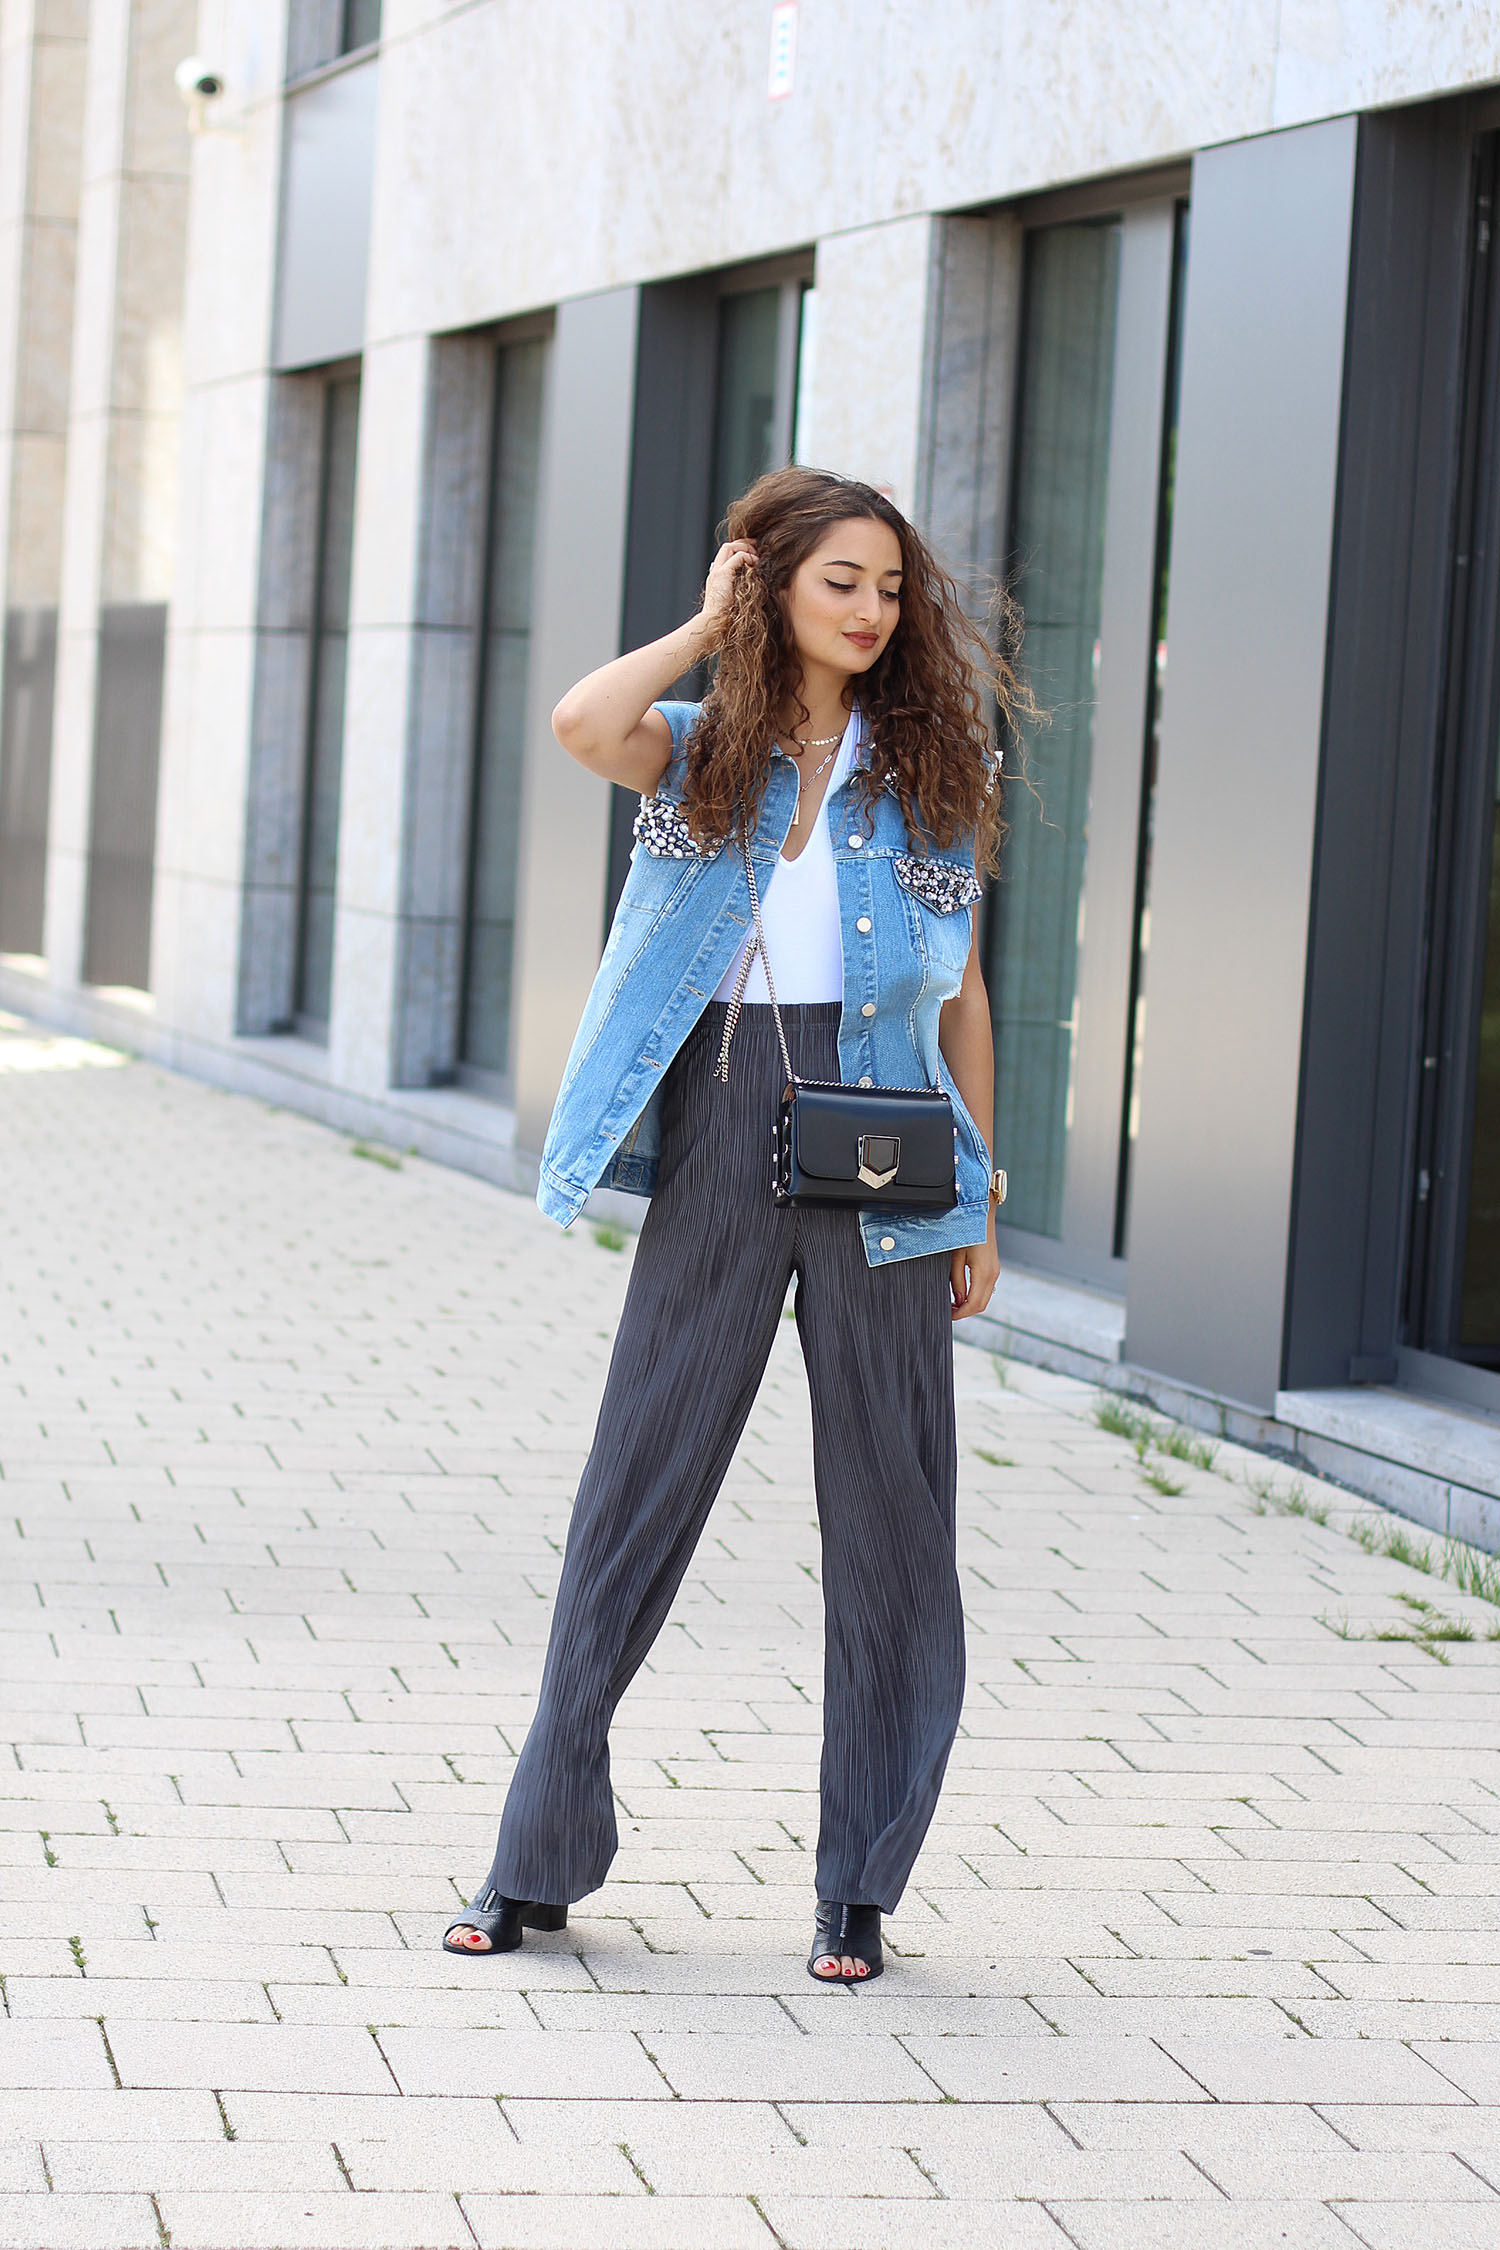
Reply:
x=197 y=81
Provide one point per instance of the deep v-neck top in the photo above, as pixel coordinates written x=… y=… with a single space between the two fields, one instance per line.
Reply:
x=800 y=910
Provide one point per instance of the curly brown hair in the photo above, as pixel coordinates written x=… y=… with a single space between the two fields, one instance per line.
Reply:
x=942 y=697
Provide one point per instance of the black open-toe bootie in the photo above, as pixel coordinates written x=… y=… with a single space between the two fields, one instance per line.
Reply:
x=502 y=1921
x=850 y=1933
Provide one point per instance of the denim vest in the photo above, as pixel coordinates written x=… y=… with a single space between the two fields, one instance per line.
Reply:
x=905 y=920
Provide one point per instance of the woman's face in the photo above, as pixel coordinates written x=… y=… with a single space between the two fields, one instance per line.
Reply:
x=844 y=601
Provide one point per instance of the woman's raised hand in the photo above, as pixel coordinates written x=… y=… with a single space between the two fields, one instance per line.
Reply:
x=732 y=559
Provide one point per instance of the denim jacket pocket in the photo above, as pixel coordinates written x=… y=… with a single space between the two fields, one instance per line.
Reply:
x=940 y=896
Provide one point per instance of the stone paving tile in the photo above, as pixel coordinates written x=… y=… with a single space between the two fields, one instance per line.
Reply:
x=803 y=2223
x=78 y=2222
x=1245 y=2225
x=1418 y=2226
x=523 y=2062
x=1202 y=1951
x=1045 y=2070
x=52 y=2054
x=253 y=2055
x=21 y=2168
x=217 y=2167
x=1312 y=2070
x=313 y=2221
x=564 y=2222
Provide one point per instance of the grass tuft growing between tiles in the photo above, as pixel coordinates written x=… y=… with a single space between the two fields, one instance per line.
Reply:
x=1467 y=1568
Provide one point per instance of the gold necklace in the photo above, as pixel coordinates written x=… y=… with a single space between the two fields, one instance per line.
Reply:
x=804 y=780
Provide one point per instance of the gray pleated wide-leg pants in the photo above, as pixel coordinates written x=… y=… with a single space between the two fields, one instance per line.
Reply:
x=706 y=1293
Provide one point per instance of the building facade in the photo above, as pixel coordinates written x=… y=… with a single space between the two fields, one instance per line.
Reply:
x=352 y=410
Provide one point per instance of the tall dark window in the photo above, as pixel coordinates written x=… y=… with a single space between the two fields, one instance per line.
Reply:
x=361 y=26
x=325 y=741
x=759 y=358
x=319 y=31
x=1057 y=532
x=721 y=396
x=756 y=399
x=1454 y=1294
x=1087 y=550
x=484 y=1047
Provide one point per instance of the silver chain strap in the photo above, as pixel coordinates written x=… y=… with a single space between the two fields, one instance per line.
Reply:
x=737 y=999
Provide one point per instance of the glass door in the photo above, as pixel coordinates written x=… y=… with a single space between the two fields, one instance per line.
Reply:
x=1453 y=1300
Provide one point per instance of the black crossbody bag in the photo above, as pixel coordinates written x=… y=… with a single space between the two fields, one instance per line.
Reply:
x=887 y=1148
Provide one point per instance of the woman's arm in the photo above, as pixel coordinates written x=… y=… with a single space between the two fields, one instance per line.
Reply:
x=607 y=722
x=967 y=1041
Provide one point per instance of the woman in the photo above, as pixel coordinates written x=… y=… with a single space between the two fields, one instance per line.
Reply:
x=843 y=744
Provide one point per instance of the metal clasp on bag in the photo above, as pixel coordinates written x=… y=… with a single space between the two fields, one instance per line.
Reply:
x=879 y=1158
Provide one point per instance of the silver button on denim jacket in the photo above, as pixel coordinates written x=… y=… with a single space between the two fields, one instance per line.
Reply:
x=906 y=921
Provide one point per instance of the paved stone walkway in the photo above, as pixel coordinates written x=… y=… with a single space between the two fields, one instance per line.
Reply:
x=1204 y=1950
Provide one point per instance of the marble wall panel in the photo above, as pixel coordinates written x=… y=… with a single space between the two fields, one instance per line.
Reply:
x=94 y=297
x=236 y=173
x=435 y=858
x=222 y=445
x=272 y=800
x=200 y=828
x=15 y=111
x=13 y=233
x=287 y=544
x=454 y=494
x=275 y=633
x=666 y=155
x=963 y=472
x=389 y=511
x=203 y=801
x=873 y=289
x=55 y=143
x=439 y=773
x=140 y=528
x=383 y=595
x=106 y=93
x=44 y=356
x=437 y=810
x=147 y=370
x=366 y=924
x=61 y=19
x=146 y=390
x=157 y=139
x=1334 y=55
x=38 y=470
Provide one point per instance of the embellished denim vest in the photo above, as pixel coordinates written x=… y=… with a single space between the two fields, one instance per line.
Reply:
x=905 y=919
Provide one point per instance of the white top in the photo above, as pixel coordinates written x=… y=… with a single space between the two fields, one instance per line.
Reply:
x=800 y=909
